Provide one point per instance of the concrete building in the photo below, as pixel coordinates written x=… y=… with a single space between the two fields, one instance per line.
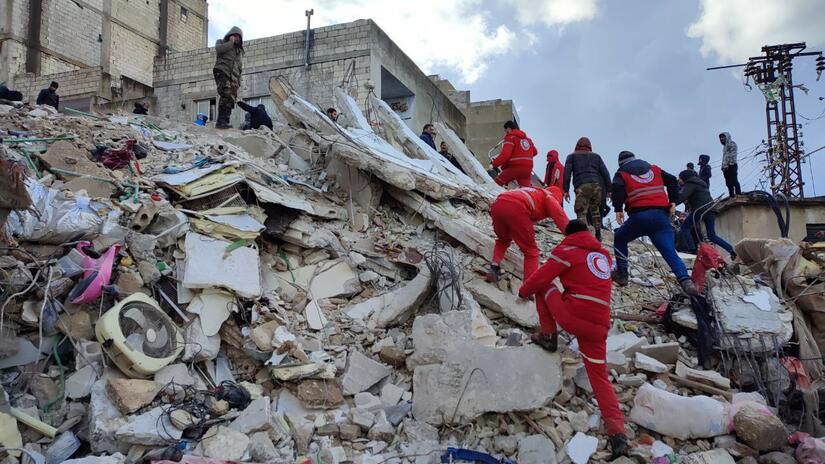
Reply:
x=100 y=51
x=485 y=119
x=358 y=55
x=746 y=217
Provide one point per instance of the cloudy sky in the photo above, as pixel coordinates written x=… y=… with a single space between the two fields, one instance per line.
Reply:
x=629 y=74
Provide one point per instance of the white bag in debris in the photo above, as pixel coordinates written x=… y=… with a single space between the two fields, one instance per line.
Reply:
x=656 y=409
x=59 y=218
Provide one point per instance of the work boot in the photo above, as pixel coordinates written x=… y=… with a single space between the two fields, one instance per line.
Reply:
x=493 y=274
x=689 y=287
x=619 y=278
x=618 y=446
x=549 y=342
x=223 y=124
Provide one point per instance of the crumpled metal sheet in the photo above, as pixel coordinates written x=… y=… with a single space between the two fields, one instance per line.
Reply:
x=55 y=218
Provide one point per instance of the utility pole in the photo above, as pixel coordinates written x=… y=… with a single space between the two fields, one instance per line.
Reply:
x=771 y=72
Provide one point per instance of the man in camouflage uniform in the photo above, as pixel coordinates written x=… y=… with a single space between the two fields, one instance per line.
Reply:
x=227 y=71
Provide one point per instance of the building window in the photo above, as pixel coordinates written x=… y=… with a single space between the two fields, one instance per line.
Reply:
x=206 y=107
x=184 y=14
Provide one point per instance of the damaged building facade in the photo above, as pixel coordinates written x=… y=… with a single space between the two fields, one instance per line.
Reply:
x=101 y=52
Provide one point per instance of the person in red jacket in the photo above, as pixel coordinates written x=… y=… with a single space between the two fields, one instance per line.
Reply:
x=583 y=310
x=513 y=213
x=516 y=157
x=554 y=175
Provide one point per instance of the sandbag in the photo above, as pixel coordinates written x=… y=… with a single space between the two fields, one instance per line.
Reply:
x=656 y=409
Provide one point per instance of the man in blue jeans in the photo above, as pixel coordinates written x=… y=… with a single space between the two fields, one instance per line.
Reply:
x=696 y=197
x=649 y=195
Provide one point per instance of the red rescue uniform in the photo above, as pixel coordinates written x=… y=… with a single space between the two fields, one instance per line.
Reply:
x=645 y=191
x=554 y=175
x=516 y=159
x=582 y=309
x=514 y=213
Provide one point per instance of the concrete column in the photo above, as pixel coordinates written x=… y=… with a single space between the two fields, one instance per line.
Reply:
x=164 y=27
x=106 y=28
x=33 y=36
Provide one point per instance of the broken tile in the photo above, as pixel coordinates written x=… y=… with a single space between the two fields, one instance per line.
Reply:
x=79 y=384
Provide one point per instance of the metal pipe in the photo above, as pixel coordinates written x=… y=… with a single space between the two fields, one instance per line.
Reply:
x=308 y=14
x=44 y=139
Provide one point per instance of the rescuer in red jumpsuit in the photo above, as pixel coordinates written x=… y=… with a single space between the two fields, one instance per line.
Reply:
x=514 y=213
x=516 y=157
x=583 y=310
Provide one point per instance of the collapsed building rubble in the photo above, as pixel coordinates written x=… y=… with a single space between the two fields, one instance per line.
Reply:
x=316 y=294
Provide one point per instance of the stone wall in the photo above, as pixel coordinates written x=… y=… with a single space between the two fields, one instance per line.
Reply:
x=120 y=36
x=81 y=83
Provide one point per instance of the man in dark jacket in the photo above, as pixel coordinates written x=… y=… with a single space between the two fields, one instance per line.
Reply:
x=428 y=135
x=49 y=96
x=696 y=197
x=445 y=152
x=141 y=107
x=227 y=71
x=649 y=195
x=258 y=115
x=704 y=169
x=590 y=180
x=8 y=94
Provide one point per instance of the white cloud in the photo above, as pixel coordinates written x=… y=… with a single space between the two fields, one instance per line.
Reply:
x=552 y=12
x=733 y=30
x=460 y=35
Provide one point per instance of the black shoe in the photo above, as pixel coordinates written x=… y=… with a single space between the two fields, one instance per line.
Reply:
x=618 y=446
x=689 y=287
x=223 y=125
x=599 y=234
x=493 y=274
x=548 y=342
x=619 y=278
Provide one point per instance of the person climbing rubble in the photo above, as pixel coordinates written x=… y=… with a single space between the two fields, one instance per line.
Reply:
x=583 y=310
x=554 y=174
x=695 y=194
x=227 y=71
x=513 y=214
x=649 y=194
x=258 y=115
x=730 y=166
x=516 y=157
x=590 y=179
x=141 y=107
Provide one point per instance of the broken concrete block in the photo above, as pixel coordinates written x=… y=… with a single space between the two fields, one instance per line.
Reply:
x=104 y=420
x=175 y=373
x=522 y=312
x=432 y=335
x=667 y=353
x=221 y=442
x=362 y=418
x=362 y=373
x=394 y=307
x=649 y=364
x=324 y=280
x=487 y=374
x=199 y=347
x=369 y=402
x=261 y=448
x=116 y=458
x=391 y=394
x=634 y=380
x=150 y=428
x=182 y=419
x=581 y=447
x=393 y=356
x=129 y=395
x=717 y=456
x=536 y=449
x=627 y=343
x=79 y=385
x=617 y=362
x=382 y=430
x=255 y=418
x=396 y=414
